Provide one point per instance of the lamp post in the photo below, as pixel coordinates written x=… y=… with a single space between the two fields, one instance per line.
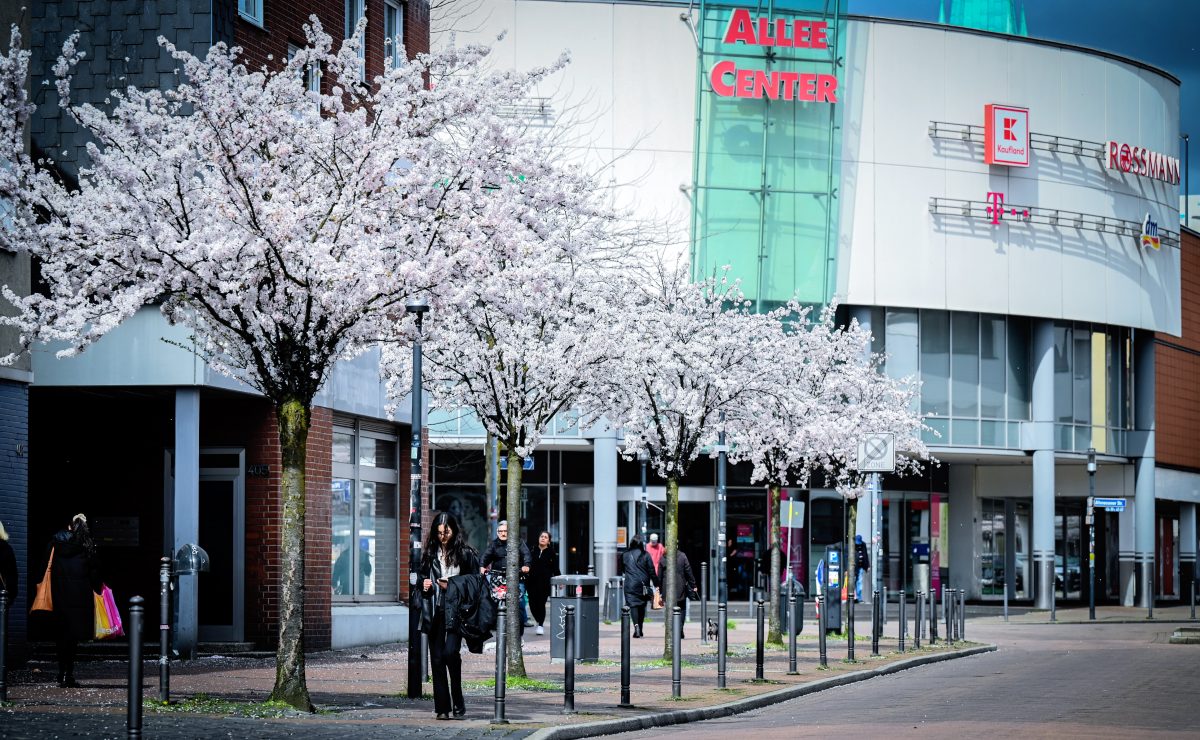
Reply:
x=418 y=307
x=1187 y=220
x=644 y=514
x=722 y=548
x=1091 y=521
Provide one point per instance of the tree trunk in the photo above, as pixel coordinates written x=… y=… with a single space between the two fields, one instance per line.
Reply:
x=670 y=577
x=774 y=629
x=851 y=576
x=512 y=566
x=290 y=683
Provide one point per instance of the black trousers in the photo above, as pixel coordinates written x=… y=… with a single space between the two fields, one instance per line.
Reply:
x=445 y=662
x=66 y=647
x=537 y=602
x=637 y=614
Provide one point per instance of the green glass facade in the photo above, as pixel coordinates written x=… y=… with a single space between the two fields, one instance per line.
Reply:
x=766 y=171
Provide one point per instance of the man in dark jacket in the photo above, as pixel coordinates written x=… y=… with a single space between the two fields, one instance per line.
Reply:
x=497 y=557
x=685 y=584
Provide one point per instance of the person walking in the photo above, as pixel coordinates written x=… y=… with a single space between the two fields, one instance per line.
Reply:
x=74 y=581
x=446 y=555
x=862 y=563
x=685 y=584
x=656 y=550
x=640 y=581
x=497 y=557
x=542 y=567
x=8 y=567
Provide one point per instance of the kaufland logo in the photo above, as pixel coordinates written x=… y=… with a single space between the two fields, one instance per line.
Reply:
x=1006 y=135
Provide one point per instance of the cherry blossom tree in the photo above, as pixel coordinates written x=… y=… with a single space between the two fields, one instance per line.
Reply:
x=285 y=227
x=829 y=393
x=688 y=352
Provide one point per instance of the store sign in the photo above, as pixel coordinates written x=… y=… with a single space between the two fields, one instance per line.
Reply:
x=996 y=210
x=729 y=81
x=1150 y=237
x=1006 y=135
x=1141 y=161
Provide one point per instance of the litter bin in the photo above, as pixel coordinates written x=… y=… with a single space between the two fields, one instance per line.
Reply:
x=920 y=561
x=614 y=599
x=580 y=592
x=798 y=590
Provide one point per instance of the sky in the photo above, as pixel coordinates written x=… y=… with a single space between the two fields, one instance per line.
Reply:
x=1163 y=33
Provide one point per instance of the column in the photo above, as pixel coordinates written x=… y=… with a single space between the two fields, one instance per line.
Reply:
x=1043 y=463
x=1125 y=560
x=604 y=506
x=1143 y=466
x=1187 y=549
x=187 y=513
x=870 y=506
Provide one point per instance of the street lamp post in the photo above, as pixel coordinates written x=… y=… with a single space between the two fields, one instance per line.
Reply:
x=418 y=308
x=722 y=548
x=1091 y=521
x=644 y=458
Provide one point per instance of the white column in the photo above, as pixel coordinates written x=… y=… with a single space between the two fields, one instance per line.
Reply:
x=1143 y=487
x=1125 y=560
x=1187 y=549
x=1043 y=463
x=604 y=505
x=187 y=512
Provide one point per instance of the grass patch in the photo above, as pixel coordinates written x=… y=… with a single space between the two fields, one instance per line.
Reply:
x=603 y=662
x=728 y=690
x=762 y=681
x=205 y=704
x=681 y=698
x=514 y=682
x=663 y=663
x=730 y=624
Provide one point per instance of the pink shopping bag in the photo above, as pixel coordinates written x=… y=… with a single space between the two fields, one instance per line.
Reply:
x=114 y=616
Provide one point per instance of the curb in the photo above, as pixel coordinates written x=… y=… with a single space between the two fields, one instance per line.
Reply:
x=681 y=716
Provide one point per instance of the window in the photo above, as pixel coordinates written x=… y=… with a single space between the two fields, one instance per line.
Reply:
x=365 y=512
x=312 y=75
x=251 y=10
x=354 y=12
x=393 y=32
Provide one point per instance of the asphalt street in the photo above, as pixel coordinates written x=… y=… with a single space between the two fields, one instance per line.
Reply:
x=1046 y=680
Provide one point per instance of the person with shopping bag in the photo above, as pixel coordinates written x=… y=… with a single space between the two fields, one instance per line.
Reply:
x=73 y=572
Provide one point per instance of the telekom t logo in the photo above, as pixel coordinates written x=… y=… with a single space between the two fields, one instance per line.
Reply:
x=996 y=209
x=1008 y=129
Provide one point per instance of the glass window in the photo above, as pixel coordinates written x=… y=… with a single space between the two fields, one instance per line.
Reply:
x=1017 y=368
x=991 y=367
x=935 y=363
x=343 y=529
x=393 y=32
x=377 y=453
x=343 y=446
x=251 y=10
x=365 y=515
x=378 y=558
x=1063 y=411
x=354 y=12
x=903 y=358
x=312 y=75
x=1081 y=375
x=965 y=364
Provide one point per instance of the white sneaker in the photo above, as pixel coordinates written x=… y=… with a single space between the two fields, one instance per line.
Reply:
x=540 y=631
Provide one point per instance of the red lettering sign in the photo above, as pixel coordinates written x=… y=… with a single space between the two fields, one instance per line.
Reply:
x=728 y=81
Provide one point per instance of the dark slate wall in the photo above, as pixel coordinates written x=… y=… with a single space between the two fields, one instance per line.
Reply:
x=14 y=481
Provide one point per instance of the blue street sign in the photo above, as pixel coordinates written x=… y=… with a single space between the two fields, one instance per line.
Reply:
x=1112 y=504
x=526 y=463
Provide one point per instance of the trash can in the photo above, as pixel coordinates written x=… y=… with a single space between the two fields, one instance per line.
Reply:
x=614 y=599
x=798 y=590
x=920 y=561
x=580 y=592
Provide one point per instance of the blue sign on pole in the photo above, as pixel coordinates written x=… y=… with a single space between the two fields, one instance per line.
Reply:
x=1112 y=504
x=526 y=463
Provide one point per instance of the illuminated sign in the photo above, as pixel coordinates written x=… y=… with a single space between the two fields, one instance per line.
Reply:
x=1006 y=135
x=729 y=81
x=1150 y=237
x=1141 y=161
x=996 y=211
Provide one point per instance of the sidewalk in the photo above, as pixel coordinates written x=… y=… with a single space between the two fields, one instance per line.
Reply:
x=364 y=689
x=1079 y=615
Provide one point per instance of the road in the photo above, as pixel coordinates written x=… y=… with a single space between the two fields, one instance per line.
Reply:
x=1061 y=681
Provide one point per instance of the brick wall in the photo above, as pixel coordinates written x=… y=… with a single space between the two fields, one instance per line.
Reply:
x=1177 y=361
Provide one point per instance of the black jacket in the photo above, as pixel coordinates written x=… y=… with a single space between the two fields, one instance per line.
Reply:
x=8 y=570
x=74 y=579
x=434 y=600
x=497 y=552
x=862 y=561
x=685 y=581
x=639 y=576
x=470 y=611
x=542 y=567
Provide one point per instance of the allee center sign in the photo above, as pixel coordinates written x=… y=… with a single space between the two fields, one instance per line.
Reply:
x=729 y=81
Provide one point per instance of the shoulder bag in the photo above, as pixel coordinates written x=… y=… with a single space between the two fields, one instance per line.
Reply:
x=44 y=602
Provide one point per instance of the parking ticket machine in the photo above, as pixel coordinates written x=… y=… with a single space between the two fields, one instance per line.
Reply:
x=832 y=589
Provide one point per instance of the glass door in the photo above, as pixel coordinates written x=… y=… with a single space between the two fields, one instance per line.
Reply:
x=222 y=535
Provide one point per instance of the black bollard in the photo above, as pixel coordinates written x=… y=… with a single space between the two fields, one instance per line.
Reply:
x=792 y=625
x=919 y=622
x=760 y=639
x=722 y=637
x=902 y=621
x=946 y=614
x=933 y=616
x=703 y=603
x=962 y=614
x=625 y=704
x=951 y=619
x=850 y=628
x=501 y=664
x=676 y=649
x=3 y=645
x=821 y=632
x=876 y=624
x=569 y=662
x=133 y=722
x=164 y=631
x=1193 y=598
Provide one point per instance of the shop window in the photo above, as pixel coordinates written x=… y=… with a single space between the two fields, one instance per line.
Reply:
x=365 y=513
x=935 y=363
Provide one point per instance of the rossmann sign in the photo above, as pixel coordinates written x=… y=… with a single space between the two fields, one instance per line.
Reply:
x=730 y=81
x=1141 y=161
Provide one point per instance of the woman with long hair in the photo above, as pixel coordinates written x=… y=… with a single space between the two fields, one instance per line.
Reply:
x=640 y=580
x=543 y=565
x=74 y=578
x=446 y=555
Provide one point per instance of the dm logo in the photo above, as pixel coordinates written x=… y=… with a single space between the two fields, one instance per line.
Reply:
x=1150 y=236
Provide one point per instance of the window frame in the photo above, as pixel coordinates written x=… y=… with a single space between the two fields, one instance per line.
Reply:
x=357 y=9
x=254 y=16
x=390 y=46
x=359 y=474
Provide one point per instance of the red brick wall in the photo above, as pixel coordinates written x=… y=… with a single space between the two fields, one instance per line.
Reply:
x=1177 y=361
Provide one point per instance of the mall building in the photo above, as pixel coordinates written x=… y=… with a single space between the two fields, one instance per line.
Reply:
x=1002 y=212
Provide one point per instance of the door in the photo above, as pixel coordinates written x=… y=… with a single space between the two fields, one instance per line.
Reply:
x=222 y=535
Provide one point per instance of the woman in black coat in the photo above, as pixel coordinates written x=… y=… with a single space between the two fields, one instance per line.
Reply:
x=446 y=555
x=543 y=565
x=74 y=580
x=639 y=579
x=685 y=583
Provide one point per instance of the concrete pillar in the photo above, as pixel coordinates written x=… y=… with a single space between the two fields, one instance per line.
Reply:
x=187 y=513
x=604 y=505
x=1127 y=588
x=870 y=514
x=1187 y=549
x=1143 y=470
x=1043 y=463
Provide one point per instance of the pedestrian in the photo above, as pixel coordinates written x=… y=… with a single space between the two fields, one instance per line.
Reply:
x=640 y=581
x=685 y=584
x=74 y=581
x=656 y=550
x=497 y=557
x=8 y=567
x=543 y=567
x=446 y=555
x=862 y=563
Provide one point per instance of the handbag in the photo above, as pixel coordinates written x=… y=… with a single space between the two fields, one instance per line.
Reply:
x=658 y=601
x=107 y=619
x=44 y=601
